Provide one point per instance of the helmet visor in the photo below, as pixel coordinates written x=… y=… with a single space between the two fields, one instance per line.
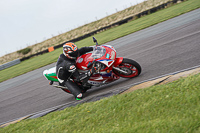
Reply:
x=74 y=54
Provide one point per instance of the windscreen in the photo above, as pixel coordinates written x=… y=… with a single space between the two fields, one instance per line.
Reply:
x=98 y=52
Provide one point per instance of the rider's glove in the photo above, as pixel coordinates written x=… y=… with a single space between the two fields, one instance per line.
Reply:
x=92 y=71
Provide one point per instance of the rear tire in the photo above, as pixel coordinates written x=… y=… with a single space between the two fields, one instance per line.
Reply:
x=132 y=68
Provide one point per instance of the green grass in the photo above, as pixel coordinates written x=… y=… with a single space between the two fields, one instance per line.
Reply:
x=102 y=37
x=174 y=108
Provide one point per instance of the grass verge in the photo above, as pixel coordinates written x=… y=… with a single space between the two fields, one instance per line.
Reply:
x=102 y=37
x=174 y=107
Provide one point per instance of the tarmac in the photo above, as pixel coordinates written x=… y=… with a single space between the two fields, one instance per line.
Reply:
x=161 y=80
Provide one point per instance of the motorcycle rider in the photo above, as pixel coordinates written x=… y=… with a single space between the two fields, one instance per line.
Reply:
x=66 y=68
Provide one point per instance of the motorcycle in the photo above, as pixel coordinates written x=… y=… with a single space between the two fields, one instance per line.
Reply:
x=109 y=68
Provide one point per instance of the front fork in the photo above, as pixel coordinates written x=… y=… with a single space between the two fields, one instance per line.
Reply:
x=117 y=62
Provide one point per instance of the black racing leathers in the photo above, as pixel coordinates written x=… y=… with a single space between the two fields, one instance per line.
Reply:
x=66 y=68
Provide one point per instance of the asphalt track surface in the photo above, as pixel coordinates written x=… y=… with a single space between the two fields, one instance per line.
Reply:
x=160 y=49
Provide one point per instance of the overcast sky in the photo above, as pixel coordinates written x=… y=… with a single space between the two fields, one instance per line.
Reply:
x=25 y=22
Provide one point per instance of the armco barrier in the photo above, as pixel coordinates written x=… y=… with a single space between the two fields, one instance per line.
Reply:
x=152 y=10
x=9 y=64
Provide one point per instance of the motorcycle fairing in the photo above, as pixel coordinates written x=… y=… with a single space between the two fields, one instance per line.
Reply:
x=107 y=57
x=100 y=79
x=118 y=61
x=83 y=60
x=104 y=54
x=107 y=62
x=50 y=74
x=111 y=47
x=106 y=75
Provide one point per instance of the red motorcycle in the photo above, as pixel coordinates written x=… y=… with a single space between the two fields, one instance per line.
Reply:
x=109 y=67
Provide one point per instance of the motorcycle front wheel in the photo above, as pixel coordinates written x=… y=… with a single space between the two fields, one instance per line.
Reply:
x=128 y=69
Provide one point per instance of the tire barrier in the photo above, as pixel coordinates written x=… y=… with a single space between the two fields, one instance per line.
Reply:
x=9 y=64
x=149 y=11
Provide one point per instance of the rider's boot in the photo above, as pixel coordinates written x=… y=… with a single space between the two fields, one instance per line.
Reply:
x=74 y=89
x=79 y=96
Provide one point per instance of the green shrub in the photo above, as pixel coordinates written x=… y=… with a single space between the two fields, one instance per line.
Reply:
x=24 y=51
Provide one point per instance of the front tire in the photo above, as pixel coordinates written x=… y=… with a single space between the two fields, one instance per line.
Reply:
x=132 y=68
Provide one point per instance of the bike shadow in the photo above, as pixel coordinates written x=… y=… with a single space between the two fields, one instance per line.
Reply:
x=108 y=88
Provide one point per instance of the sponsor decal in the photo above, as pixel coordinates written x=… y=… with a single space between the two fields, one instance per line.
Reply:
x=94 y=83
x=104 y=60
x=107 y=62
x=80 y=60
x=112 y=55
x=55 y=77
x=100 y=78
x=84 y=67
x=107 y=56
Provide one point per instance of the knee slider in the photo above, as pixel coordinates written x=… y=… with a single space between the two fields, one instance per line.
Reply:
x=72 y=68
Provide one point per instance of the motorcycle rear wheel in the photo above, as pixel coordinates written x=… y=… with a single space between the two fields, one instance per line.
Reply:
x=132 y=68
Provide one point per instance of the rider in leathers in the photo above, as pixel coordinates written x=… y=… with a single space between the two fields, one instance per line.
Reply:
x=66 y=68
